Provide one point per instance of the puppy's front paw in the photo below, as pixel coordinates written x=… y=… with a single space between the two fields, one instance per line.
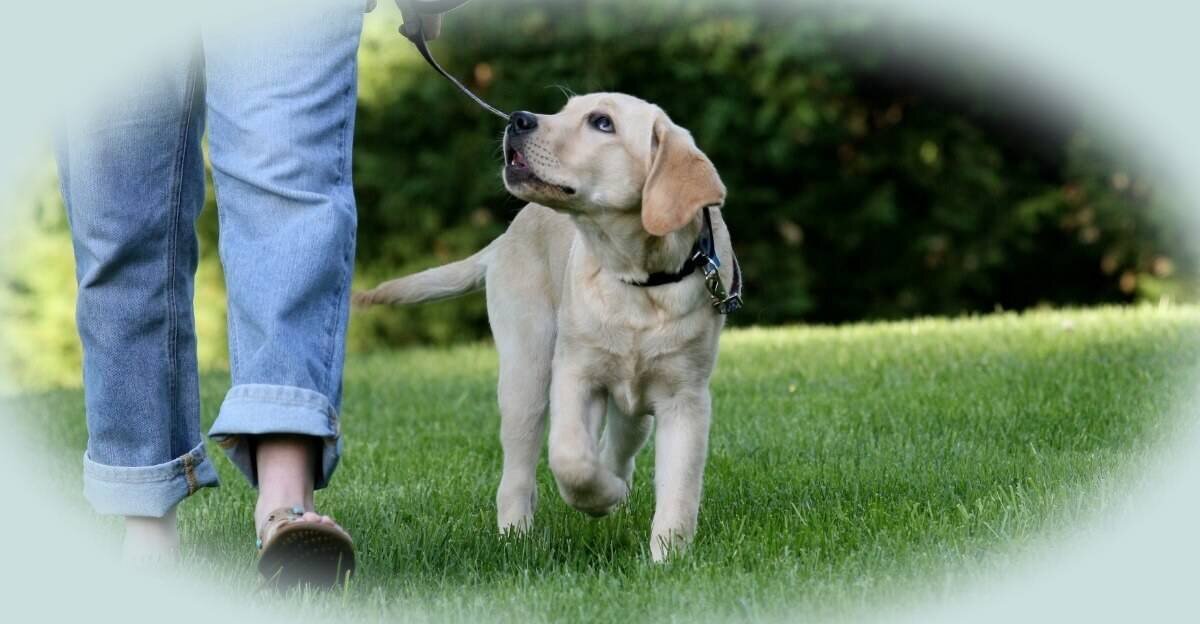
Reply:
x=668 y=545
x=515 y=526
x=600 y=502
x=514 y=511
x=588 y=486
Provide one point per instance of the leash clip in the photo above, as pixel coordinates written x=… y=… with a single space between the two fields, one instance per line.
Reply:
x=721 y=299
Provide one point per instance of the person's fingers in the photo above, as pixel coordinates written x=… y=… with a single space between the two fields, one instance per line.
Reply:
x=431 y=26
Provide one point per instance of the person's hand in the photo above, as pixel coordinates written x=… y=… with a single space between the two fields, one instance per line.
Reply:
x=431 y=26
x=429 y=12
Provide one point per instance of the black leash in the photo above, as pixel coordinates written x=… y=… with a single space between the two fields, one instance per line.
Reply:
x=416 y=34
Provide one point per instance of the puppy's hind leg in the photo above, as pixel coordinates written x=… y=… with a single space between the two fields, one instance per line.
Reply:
x=526 y=345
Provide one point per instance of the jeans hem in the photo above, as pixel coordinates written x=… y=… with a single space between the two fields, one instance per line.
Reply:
x=263 y=409
x=150 y=491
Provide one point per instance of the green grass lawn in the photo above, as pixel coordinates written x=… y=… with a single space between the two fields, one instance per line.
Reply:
x=848 y=467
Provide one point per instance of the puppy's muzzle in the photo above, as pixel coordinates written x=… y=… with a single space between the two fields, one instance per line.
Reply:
x=517 y=170
x=520 y=125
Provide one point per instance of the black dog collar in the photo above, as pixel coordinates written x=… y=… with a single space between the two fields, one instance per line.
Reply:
x=704 y=257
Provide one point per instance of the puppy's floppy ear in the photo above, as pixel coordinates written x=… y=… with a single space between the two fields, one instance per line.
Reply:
x=682 y=180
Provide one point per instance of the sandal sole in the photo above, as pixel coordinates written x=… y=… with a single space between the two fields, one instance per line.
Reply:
x=307 y=553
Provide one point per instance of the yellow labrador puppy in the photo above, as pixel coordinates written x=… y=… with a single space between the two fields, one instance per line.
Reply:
x=592 y=314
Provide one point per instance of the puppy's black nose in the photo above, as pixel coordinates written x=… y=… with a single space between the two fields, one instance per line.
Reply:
x=522 y=122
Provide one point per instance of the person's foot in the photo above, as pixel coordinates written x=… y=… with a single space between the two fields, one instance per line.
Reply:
x=151 y=540
x=297 y=545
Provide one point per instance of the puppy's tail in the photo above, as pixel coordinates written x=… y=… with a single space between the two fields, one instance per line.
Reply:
x=449 y=280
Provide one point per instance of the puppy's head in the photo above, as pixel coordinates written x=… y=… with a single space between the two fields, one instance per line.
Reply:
x=609 y=152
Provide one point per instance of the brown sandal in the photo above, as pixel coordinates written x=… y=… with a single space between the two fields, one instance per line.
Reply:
x=292 y=551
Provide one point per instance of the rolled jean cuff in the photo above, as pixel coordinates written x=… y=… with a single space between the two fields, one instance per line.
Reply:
x=146 y=490
x=261 y=409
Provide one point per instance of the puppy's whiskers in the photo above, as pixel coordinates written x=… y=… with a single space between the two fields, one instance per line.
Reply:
x=566 y=91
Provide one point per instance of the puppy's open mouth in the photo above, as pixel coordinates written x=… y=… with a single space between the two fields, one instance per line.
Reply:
x=517 y=171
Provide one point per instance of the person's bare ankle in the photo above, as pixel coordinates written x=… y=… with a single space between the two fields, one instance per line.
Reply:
x=286 y=466
x=267 y=504
x=151 y=539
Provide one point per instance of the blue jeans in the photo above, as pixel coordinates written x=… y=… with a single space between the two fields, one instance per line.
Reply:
x=279 y=108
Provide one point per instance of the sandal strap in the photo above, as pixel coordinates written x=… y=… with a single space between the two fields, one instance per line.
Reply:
x=277 y=519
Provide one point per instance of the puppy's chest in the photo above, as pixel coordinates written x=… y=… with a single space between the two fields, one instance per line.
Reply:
x=630 y=340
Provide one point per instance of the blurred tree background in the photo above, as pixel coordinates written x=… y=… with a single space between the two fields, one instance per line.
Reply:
x=871 y=173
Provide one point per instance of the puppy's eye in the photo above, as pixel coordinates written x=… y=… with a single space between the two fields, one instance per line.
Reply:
x=603 y=123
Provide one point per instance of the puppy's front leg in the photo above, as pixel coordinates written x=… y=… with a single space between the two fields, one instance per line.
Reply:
x=681 y=447
x=624 y=436
x=576 y=411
